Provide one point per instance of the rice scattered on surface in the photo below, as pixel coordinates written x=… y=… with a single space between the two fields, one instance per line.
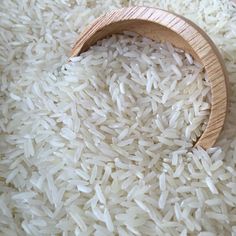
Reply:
x=67 y=167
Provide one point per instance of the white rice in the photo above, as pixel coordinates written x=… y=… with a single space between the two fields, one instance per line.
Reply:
x=103 y=145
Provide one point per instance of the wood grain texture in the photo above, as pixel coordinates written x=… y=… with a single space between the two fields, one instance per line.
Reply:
x=161 y=25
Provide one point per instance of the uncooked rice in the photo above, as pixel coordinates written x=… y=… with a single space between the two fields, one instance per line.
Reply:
x=103 y=144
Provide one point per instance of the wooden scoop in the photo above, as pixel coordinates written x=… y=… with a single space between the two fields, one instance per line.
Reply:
x=162 y=25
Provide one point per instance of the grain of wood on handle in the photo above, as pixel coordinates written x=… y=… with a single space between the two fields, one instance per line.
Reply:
x=162 y=25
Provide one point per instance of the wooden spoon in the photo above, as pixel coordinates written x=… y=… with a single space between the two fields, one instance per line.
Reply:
x=162 y=25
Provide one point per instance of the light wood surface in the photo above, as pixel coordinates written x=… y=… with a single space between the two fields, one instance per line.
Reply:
x=161 y=25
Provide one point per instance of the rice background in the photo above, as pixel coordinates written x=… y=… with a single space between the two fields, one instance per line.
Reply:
x=36 y=39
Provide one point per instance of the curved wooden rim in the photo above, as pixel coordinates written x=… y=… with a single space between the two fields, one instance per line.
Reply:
x=201 y=45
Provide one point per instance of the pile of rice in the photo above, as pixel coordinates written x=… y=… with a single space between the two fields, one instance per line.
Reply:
x=103 y=144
